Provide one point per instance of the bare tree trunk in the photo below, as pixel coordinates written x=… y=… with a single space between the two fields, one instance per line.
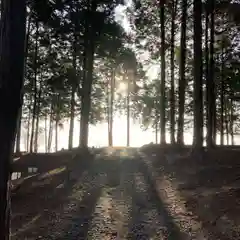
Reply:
x=37 y=118
x=209 y=123
x=73 y=90
x=210 y=84
x=28 y=129
x=57 y=122
x=12 y=37
x=45 y=133
x=198 y=91
x=231 y=123
x=156 y=123
x=222 y=100
x=163 y=68
x=108 y=109
x=172 y=91
x=50 y=130
x=89 y=49
x=182 y=79
x=227 y=130
x=36 y=133
x=112 y=88
x=18 y=138
x=227 y=119
x=29 y=123
x=35 y=88
x=56 y=135
x=71 y=124
x=212 y=90
x=128 y=113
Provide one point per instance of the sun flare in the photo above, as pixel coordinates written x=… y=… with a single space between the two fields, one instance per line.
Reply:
x=122 y=87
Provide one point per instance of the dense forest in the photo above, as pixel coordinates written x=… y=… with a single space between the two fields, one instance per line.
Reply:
x=65 y=82
x=66 y=60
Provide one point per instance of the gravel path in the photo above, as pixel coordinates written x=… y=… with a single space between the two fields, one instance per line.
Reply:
x=113 y=199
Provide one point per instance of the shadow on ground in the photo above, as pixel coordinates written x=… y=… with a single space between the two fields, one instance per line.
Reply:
x=40 y=207
x=54 y=208
x=210 y=189
x=147 y=201
x=35 y=201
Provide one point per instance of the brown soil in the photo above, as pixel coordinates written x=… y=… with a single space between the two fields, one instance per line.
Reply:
x=208 y=188
x=112 y=198
x=124 y=194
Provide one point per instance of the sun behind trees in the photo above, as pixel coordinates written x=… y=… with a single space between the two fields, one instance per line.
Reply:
x=86 y=62
x=59 y=73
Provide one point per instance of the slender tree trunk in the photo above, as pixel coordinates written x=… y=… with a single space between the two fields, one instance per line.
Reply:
x=50 y=132
x=45 y=133
x=209 y=122
x=73 y=87
x=226 y=116
x=35 y=88
x=227 y=133
x=231 y=122
x=156 y=134
x=227 y=122
x=71 y=124
x=156 y=123
x=214 y=126
x=128 y=113
x=73 y=90
x=108 y=108
x=36 y=133
x=182 y=79
x=172 y=91
x=86 y=105
x=222 y=100
x=18 y=138
x=28 y=129
x=32 y=128
x=37 y=119
x=56 y=135
x=88 y=59
x=29 y=123
x=12 y=37
x=210 y=85
x=57 y=122
x=112 y=88
x=163 y=68
x=211 y=90
x=198 y=92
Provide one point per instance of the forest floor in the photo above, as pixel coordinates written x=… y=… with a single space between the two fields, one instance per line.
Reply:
x=129 y=194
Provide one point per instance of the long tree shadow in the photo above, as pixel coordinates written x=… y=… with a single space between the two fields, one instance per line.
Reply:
x=167 y=221
x=211 y=191
x=109 y=167
x=83 y=215
x=137 y=227
x=108 y=172
x=38 y=196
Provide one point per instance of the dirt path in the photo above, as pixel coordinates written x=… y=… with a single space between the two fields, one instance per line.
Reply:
x=115 y=198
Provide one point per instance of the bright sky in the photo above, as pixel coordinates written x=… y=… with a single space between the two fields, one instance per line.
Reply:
x=98 y=135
